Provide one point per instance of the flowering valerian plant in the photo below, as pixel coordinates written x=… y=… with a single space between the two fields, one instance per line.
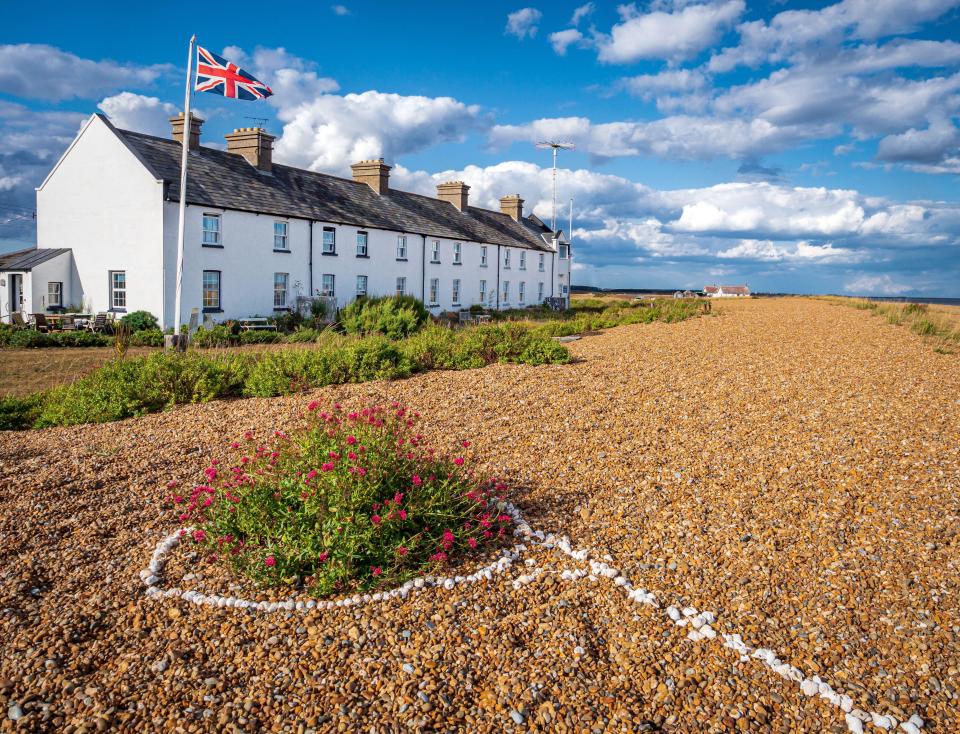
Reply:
x=356 y=499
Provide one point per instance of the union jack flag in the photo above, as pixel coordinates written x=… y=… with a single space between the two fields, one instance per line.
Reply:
x=218 y=76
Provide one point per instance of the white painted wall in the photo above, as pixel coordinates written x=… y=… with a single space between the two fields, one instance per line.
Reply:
x=57 y=269
x=103 y=204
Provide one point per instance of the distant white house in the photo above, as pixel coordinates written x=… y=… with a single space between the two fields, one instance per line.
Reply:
x=726 y=291
x=262 y=236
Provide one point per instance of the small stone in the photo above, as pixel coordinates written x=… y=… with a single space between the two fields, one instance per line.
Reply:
x=14 y=713
x=517 y=717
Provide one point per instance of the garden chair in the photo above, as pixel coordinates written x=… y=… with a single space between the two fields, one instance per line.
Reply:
x=40 y=323
x=16 y=318
x=67 y=323
x=99 y=323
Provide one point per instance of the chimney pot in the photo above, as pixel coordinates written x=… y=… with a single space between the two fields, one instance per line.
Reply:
x=253 y=143
x=196 y=123
x=375 y=173
x=512 y=205
x=456 y=192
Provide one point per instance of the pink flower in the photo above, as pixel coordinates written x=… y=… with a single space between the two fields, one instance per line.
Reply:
x=362 y=472
x=417 y=481
x=234 y=445
x=458 y=461
x=313 y=405
x=377 y=570
x=351 y=440
x=401 y=551
x=472 y=542
x=398 y=498
x=211 y=473
x=311 y=474
x=327 y=467
x=323 y=556
x=439 y=556
x=269 y=561
x=351 y=456
x=171 y=484
x=333 y=455
x=402 y=514
x=375 y=519
x=465 y=444
x=199 y=536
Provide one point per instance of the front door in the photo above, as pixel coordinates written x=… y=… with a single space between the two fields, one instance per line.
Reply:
x=16 y=293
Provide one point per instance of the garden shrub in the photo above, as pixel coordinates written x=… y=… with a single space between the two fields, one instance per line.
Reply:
x=353 y=501
x=140 y=321
x=147 y=338
x=392 y=316
x=80 y=339
x=260 y=336
x=220 y=335
x=17 y=414
x=30 y=339
x=303 y=334
x=544 y=350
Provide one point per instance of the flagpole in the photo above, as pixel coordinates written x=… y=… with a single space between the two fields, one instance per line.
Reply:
x=187 y=130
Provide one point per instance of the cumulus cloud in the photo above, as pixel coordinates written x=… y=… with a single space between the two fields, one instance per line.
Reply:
x=799 y=252
x=930 y=145
x=648 y=86
x=676 y=35
x=65 y=75
x=293 y=80
x=523 y=23
x=883 y=285
x=580 y=13
x=332 y=131
x=129 y=111
x=562 y=40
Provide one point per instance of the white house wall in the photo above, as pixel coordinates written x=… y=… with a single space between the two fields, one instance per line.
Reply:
x=102 y=203
x=59 y=269
x=247 y=263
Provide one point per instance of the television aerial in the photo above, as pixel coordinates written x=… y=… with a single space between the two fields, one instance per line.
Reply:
x=555 y=146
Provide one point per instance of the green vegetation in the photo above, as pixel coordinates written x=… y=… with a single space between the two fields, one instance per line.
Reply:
x=336 y=507
x=32 y=339
x=918 y=317
x=392 y=316
x=140 y=321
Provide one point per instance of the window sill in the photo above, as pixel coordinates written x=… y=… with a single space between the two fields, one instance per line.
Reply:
x=364 y=257
x=213 y=247
x=457 y=305
x=116 y=310
x=456 y=263
x=329 y=254
x=434 y=262
x=213 y=310
x=281 y=309
x=287 y=252
x=483 y=265
x=401 y=259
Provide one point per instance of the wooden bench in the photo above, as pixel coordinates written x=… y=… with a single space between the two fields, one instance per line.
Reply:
x=257 y=323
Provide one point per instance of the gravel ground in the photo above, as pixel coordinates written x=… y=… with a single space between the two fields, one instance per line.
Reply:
x=791 y=465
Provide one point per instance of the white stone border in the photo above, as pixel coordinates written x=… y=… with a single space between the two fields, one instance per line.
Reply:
x=700 y=622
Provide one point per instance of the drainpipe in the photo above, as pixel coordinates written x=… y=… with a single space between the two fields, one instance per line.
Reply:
x=553 y=260
x=498 y=277
x=311 y=260
x=423 y=269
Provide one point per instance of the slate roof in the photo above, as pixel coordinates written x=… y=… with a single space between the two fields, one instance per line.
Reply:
x=226 y=181
x=29 y=259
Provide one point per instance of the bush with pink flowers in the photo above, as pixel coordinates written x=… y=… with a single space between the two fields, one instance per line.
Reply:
x=354 y=500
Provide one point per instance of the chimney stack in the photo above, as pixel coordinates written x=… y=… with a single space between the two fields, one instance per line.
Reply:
x=195 y=123
x=253 y=143
x=456 y=192
x=374 y=173
x=512 y=205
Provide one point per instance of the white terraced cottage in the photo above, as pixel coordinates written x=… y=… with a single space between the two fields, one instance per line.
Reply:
x=261 y=236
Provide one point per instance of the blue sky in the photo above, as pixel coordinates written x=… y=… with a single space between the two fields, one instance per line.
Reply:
x=795 y=146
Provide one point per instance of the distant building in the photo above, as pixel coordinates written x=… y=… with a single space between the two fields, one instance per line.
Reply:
x=727 y=291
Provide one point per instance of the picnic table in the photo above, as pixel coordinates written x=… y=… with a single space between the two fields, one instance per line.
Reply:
x=256 y=323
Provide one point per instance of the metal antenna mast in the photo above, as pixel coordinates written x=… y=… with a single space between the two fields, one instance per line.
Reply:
x=555 y=146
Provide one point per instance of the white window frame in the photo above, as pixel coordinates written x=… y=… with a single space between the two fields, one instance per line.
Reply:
x=506 y=259
x=542 y=261
x=54 y=295
x=483 y=291
x=457 y=253
x=363 y=244
x=523 y=259
x=211 y=237
x=435 y=251
x=434 y=291
x=401 y=289
x=505 y=294
x=281 y=284
x=483 y=256
x=564 y=251
x=362 y=291
x=455 y=291
x=540 y=292
x=330 y=292
x=401 y=247
x=118 y=295
x=281 y=239
x=329 y=247
x=203 y=291
x=521 y=292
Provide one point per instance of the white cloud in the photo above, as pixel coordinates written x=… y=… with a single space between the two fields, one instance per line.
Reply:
x=875 y=285
x=562 y=40
x=331 y=131
x=340 y=9
x=293 y=80
x=799 y=252
x=667 y=35
x=523 y=23
x=647 y=86
x=926 y=146
x=580 y=13
x=39 y=71
x=129 y=111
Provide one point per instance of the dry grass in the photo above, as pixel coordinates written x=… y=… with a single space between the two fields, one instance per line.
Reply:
x=939 y=324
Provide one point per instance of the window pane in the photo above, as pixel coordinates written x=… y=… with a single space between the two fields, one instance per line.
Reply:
x=211 y=289
x=361 y=243
x=329 y=241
